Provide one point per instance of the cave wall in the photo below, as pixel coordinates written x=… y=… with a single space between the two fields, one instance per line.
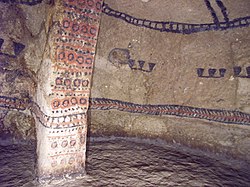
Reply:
x=176 y=70
x=24 y=31
x=184 y=57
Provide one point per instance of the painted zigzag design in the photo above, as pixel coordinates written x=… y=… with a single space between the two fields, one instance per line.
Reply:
x=222 y=116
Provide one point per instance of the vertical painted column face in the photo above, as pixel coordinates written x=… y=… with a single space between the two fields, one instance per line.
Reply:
x=63 y=97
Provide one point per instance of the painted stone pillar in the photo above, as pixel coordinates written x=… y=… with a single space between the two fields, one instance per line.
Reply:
x=63 y=88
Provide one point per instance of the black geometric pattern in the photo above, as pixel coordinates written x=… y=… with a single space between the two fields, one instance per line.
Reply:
x=183 y=28
x=217 y=115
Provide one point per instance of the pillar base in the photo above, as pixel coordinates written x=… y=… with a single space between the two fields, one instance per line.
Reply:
x=70 y=176
x=61 y=152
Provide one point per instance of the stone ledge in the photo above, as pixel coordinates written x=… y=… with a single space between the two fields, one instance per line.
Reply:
x=229 y=139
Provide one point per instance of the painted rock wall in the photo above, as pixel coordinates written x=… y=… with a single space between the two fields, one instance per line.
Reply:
x=23 y=36
x=59 y=98
x=177 y=70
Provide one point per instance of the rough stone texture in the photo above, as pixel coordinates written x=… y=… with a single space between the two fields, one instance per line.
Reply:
x=46 y=62
x=174 y=79
x=225 y=139
x=241 y=56
x=26 y=26
x=19 y=124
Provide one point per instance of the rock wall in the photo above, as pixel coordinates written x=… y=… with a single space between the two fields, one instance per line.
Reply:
x=183 y=57
x=170 y=69
x=23 y=36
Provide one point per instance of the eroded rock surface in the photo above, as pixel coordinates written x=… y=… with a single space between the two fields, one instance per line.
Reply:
x=191 y=58
x=198 y=69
